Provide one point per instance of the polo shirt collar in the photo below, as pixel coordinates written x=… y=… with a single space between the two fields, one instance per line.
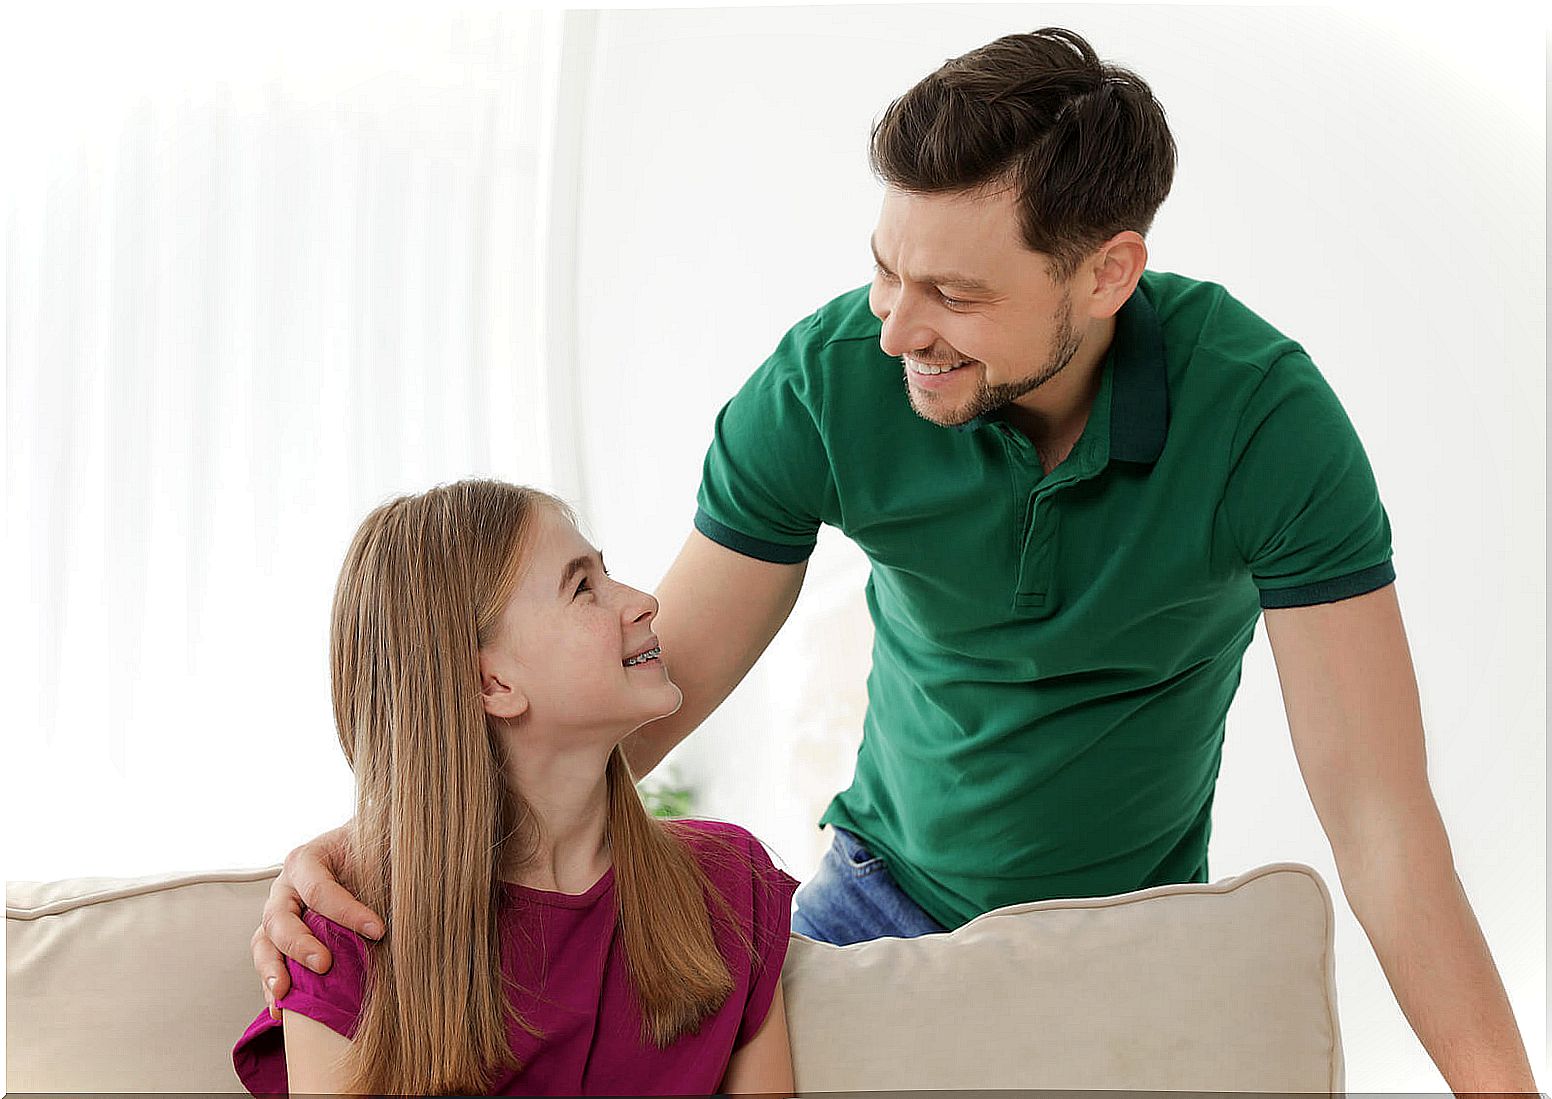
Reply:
x=1139 y=389
x=1139 y=401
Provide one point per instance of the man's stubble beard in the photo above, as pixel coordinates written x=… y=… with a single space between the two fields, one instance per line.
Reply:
x=989 y=398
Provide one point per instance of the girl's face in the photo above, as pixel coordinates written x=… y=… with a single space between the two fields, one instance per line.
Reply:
x=562 y=656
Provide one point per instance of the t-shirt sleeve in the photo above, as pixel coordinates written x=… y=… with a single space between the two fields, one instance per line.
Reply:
x=1301 y=500
x=334 y=999
x=770 y=931
x=766 y=479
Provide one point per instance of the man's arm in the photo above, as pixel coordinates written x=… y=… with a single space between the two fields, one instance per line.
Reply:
x=1353 y=711
x=718 y=610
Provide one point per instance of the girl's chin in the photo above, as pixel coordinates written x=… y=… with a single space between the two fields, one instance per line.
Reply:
x=672 y=698
x=678 y=697
x=653 y=678
x=664 y=704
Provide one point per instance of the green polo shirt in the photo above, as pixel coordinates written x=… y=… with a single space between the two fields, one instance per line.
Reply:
x=1054 y=654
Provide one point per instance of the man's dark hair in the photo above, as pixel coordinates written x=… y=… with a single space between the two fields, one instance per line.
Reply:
x=1084 y=143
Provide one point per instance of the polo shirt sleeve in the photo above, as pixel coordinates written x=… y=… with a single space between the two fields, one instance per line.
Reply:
x=766 y=478
x=1301 y=501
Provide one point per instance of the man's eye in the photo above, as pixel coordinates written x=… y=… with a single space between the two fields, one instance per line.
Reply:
x=881 y=273
x=582 y=587
x=952 y=303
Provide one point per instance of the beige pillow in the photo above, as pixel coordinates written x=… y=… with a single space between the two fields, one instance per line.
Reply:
x=1221 y=987
x=144 y=985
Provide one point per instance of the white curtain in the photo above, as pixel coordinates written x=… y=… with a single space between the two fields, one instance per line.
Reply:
x=261 y=274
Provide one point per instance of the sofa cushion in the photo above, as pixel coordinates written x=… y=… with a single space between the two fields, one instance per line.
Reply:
x=1221 y=987
x=144 y=985
x=130 y=984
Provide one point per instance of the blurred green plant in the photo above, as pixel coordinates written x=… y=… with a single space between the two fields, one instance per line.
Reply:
x=664 y=800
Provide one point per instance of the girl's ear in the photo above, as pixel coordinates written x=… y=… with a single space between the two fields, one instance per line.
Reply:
x=499 y=691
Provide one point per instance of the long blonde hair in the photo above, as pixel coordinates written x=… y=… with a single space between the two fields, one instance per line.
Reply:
x=420 y=593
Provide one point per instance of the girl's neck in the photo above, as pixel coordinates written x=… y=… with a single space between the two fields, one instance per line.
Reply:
x=568 y=831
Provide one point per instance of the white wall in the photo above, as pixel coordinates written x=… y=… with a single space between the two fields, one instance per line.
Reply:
x=260 y=281
x=1374 y=188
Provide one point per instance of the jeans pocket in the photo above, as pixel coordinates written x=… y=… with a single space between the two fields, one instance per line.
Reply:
x=859 y=860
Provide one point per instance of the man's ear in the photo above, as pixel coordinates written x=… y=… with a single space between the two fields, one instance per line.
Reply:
x=499 y=691
x=1118 y=265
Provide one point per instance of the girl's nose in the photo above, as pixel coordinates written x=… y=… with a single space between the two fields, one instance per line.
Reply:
x=641 y=607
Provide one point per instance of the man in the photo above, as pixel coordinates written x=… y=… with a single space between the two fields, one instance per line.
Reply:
x=1095 y=480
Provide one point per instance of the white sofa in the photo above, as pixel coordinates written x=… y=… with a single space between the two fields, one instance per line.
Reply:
x=144 y=985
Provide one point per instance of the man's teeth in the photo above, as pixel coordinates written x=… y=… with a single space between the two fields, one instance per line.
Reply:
x=641 y=658
x=924 y=368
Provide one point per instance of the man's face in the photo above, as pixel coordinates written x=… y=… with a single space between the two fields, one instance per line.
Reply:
x=956 y=288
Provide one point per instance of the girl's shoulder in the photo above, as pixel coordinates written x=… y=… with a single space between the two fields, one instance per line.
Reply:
x=728 y=853
x=755 y=893
x=705 y=826
x=713 y=836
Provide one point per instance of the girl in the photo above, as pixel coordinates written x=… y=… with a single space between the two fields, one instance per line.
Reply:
x=545 y=934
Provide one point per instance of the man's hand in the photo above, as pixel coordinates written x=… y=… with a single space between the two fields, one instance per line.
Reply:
x=309 y=878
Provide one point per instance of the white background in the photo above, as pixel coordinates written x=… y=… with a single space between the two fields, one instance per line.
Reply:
x=1373 y=184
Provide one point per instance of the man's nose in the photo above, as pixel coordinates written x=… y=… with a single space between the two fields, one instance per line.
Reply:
x=903 y=329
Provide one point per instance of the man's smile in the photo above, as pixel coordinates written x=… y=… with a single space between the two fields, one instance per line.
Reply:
x=916 y=366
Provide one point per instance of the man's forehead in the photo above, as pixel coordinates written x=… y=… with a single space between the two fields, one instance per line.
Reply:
x=950 y=224
x=927 y=255
x=977 y=234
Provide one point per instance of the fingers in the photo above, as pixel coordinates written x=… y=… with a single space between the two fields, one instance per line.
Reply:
x=271 y=967
x=312 y=871
x=282 y=926
x=307 y=880
x=329 y=898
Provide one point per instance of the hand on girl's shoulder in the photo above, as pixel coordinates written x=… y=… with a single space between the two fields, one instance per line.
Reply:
x=333 y=935
x=348 y=950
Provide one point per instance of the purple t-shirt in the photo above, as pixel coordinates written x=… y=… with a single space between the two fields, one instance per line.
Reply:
x=565 y=946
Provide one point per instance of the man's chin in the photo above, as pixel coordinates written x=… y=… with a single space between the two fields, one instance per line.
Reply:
x=942 y=413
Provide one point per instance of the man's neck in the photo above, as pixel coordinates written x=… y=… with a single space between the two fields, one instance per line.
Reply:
x=1054 y=415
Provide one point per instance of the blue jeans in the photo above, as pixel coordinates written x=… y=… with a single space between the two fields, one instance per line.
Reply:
x=851 y=898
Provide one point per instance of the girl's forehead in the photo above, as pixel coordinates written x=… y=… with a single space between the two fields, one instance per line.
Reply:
x=555 y=533
x=553 y=543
